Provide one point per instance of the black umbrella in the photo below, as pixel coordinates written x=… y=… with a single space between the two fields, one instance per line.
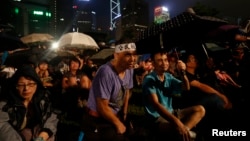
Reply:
x=55 y=58
x=103 y=56
x=225 y=33
x=19 y=58
x=8 y=42
x=186 y=27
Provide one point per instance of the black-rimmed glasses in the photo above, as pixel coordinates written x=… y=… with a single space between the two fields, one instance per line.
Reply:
x=21 y=86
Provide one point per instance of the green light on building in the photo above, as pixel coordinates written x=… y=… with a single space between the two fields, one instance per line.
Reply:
x=48 y=14
x=16 y=10
x=38 y=13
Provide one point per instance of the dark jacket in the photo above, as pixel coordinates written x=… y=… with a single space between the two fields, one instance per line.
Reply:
x=13 y=111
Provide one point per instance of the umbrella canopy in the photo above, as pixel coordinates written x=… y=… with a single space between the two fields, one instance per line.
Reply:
x=65 y=53
x=59 y=57
x=77 y=40
x=184 y=27
x=224 y=32
x=8 y=43
x=19 y=58
x=103 y=56
x=214 y=47
x=37 y=37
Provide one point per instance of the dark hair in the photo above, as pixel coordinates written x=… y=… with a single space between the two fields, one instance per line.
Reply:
x=43 y=62
x=82 y=56
x=161 y=51
x=74 y=59
x=185 y=56
x=124 y=40
x=27 y=71
x=139 y=71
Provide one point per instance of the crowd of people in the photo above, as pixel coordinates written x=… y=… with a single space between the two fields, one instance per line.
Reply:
x=132 y=97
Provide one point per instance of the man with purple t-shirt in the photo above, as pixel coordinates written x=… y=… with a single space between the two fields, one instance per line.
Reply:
x=111 y=88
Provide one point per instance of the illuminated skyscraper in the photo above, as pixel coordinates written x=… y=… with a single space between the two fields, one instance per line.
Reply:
x=115 y=13
x=161 y=14
x=84 y=17
x=135 y=18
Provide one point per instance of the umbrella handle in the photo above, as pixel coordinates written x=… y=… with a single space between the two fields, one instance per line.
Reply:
x=204 y=48
x=161 y=41
x=176 y=54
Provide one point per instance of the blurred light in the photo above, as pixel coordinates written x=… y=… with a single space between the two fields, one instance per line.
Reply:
x=74 y=6
x=16 y=10
x=38 y=12
x=54 y=45
x=48 y=14
x=164 y=8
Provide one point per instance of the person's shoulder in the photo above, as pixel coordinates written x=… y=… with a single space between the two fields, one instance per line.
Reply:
x=106 y=68
x=130 y=71
x=43 y=94
x=168 y=74
x=150 y=76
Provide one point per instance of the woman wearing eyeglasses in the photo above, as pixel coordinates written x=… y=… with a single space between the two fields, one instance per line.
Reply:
x=27 y=114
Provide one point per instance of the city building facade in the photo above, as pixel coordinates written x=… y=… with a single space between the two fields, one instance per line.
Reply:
x=135 y=18
x=161 y=14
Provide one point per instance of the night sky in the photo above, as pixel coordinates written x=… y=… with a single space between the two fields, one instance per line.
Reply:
x=230 y=8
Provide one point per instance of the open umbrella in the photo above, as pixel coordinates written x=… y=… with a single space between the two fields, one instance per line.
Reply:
x=185 y=27
x=55 y=57
x=77 y=40
x=65 y=53
x=37 y=37
x=8 y=43
x=21 y=57
x=225 y=32
x=103 y=56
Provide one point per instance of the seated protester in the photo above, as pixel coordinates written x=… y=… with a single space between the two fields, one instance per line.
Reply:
x=238 y=68
x=136 y=106
x=213 y=74
x=159 y=86
x=136 y=110
x=27 y=114
x=74 y=77
x=109 y=96
x=172 y=58
x=201 y=92
x=43 y=73
x=75 y=86
x=214 y=101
